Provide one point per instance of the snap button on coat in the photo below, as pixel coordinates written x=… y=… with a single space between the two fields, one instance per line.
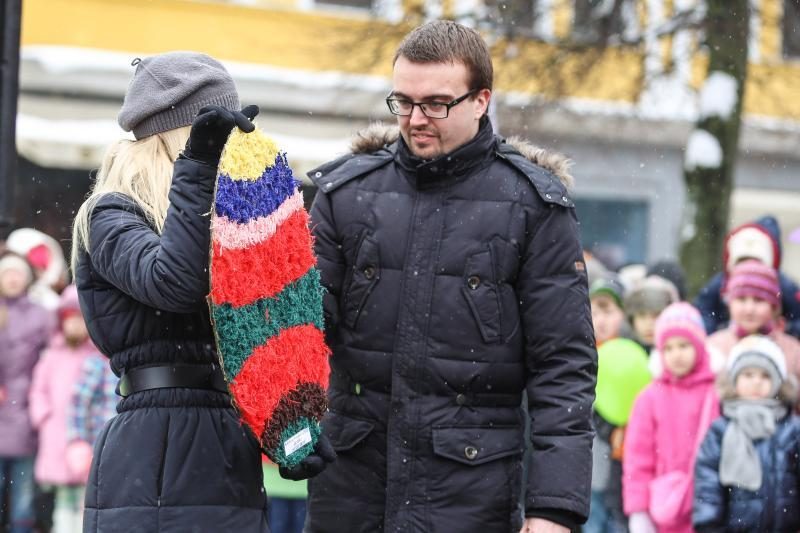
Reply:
x=470 y=452
x=473 y=282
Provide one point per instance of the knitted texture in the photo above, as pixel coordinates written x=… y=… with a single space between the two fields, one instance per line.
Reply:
x=266 y=299
x=683 y=320
x=753 y=278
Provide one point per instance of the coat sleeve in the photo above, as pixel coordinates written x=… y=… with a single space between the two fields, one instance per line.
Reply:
x=561 y=362
x=639 y=462
x=712 y=308
x=167 y=271
x=708 y=508
x=39 y=400
x=327 y=247
x=790 y=304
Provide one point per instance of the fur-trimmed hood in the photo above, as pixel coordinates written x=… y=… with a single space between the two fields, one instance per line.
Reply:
x=378 y=135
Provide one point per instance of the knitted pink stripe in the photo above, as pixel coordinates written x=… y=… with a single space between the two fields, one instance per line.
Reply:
x=229 y=234
x=766 y=294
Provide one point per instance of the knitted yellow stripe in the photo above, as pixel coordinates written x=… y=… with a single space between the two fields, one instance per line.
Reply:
x=247 y=155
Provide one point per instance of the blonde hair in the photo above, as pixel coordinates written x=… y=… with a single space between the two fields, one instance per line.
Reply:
x=142 y=171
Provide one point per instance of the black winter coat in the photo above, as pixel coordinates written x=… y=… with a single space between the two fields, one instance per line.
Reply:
x=173 y=460
x=774 y=507
x=453 y=286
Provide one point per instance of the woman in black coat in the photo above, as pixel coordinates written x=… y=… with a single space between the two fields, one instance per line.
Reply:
x=176 y=458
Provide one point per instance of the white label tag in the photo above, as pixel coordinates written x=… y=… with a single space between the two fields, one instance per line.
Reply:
x=297 y=441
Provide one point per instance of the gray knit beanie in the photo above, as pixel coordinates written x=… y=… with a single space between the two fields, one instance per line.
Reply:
x=168 y=90
x=761 y=352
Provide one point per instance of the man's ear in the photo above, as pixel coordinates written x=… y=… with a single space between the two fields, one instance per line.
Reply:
x=482 y=99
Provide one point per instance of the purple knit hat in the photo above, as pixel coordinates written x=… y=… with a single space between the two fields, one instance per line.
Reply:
x=754 y=278
x=681 y=319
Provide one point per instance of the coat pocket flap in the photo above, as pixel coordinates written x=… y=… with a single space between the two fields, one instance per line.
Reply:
x=477 y=445
x=345 y=432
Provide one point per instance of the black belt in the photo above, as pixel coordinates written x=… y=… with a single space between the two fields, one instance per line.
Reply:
x=172 y=376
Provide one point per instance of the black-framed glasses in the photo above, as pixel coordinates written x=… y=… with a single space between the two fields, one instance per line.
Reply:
x=402 y=107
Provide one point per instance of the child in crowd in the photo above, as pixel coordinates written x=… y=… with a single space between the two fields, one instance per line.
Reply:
x=51 y=391
x=622 y=365
x=759 y=240
x=46 y=256
x=24 y=330
x=646 y=300
x=622 y=374
x=753 y=297
x=746 y=476
x=287 y=500
x=606 y=297
x=669 y=418
x=93 y=404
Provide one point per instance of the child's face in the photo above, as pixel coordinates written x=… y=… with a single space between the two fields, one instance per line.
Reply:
x=753 y=383
x=13 y=283
x=644 y=324
x=679 y=355
x=750 y=313
x=607 y=318
x=74 y=328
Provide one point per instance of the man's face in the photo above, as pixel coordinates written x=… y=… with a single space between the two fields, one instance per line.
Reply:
x=429 y=138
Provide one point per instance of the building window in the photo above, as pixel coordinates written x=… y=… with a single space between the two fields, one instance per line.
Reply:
x=602 y=21
x=791 y=28
x=615 y=231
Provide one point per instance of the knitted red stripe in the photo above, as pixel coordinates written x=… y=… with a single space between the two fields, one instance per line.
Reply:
x=273 y=370
x=241 y=277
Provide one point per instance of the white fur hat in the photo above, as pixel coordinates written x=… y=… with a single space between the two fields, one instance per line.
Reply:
x=21 y=241
x=750 y=243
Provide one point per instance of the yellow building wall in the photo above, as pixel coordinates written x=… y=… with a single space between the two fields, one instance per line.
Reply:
x=282 y=36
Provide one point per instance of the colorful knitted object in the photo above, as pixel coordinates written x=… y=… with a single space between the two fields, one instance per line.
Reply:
x=266 y=298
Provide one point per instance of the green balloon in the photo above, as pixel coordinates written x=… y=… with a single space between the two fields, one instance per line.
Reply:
x=622 y=373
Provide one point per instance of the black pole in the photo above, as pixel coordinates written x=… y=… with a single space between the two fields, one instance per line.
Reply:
x=10 y=21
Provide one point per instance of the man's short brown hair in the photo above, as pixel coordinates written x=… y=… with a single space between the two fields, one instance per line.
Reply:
x=445 y=41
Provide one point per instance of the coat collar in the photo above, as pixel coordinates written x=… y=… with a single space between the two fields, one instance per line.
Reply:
x=451 y=167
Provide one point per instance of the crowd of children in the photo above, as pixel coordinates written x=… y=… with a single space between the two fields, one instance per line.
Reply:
x=694 y=414
x=44 y=367
x=706 y=437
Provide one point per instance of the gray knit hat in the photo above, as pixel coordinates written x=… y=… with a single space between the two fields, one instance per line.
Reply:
x=168 y=90
x=761 y=352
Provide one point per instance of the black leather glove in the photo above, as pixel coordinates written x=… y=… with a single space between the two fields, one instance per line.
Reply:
x=313 y=464
x=210 y=130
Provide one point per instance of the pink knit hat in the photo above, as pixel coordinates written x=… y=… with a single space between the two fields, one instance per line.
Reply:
x=754 y=278
x=681 y=319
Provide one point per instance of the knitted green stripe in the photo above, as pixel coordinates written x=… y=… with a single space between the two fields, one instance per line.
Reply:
x=278 y=455
x=240 y=330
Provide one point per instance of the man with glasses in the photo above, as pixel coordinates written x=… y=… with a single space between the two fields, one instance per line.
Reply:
x=455 y=282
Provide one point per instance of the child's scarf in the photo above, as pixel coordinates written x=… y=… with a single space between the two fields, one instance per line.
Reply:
x=750 y=420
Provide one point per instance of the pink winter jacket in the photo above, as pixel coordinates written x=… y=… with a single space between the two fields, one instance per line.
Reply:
x=662 y=432
x=50 y=396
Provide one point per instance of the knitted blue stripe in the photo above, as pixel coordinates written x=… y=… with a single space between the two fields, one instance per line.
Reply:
x=245 y=200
